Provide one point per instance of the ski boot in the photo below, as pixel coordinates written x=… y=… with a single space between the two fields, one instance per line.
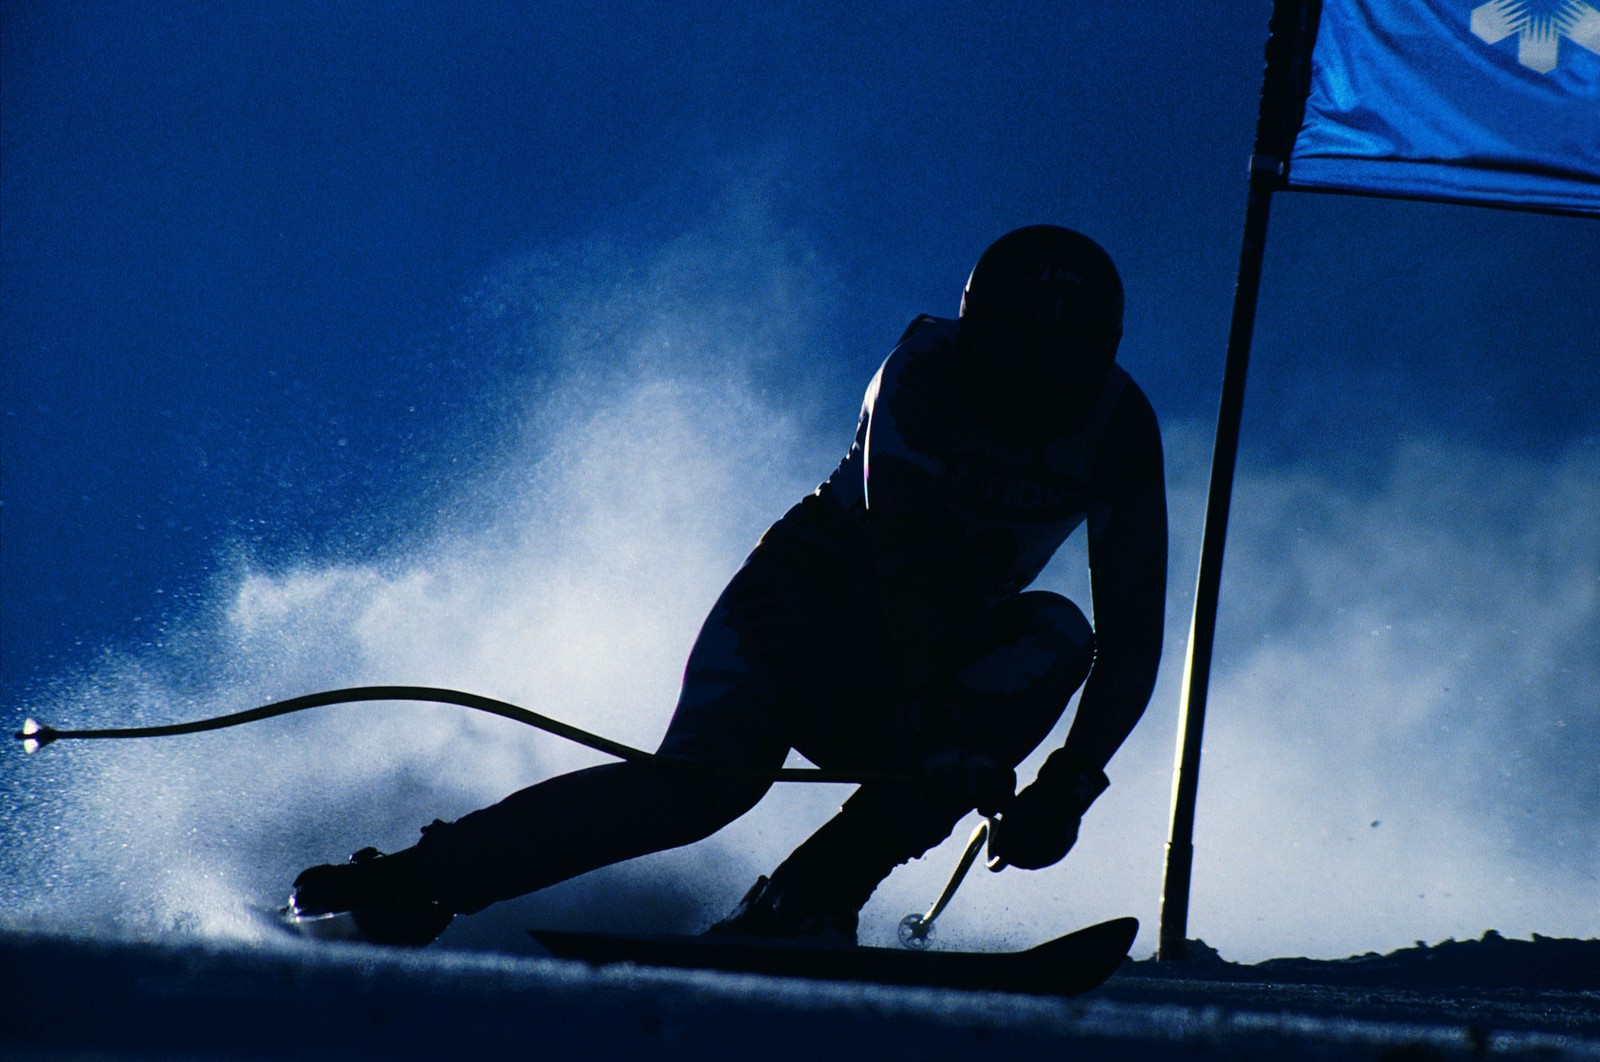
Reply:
x=769 y=910
x=818 y=892
x=379 y=893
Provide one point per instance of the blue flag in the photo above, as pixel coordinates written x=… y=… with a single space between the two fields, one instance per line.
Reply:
x=1493 y=102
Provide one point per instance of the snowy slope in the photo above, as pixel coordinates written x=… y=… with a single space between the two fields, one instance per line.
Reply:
x=187 y=998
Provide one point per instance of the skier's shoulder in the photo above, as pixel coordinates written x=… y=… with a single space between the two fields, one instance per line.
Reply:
x=926 y=330
x=924 y=354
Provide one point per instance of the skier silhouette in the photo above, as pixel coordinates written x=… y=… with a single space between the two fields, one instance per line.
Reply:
x=882 y=624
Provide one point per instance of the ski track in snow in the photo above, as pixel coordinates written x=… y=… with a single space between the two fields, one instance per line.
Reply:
x=189 y=998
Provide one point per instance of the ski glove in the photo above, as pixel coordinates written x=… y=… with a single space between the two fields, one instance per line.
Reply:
x=1040 y=826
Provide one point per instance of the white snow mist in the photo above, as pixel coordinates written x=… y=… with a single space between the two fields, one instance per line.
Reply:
x=1402 y=729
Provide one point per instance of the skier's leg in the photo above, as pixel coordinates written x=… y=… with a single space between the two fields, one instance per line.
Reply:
x=544 y=834
x=557 y=829
x=534 y=838
x=578 y=822
x=1029 y=655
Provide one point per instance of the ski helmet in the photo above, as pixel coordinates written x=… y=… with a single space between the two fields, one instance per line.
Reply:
x=1046 y=287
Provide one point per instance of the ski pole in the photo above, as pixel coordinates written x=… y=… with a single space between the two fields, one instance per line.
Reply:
x=915 y=929
x=35 y=735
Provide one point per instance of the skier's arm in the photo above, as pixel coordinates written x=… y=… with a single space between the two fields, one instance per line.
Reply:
x=1128 y=584
x=1127 y=573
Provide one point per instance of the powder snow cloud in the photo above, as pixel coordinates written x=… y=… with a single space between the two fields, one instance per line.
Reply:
x=1403 y=711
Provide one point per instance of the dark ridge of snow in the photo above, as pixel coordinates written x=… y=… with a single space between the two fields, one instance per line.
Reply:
x=1542 y=963
x=187 y=998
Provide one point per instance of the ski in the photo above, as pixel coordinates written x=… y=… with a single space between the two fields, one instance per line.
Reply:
x=1065 y=966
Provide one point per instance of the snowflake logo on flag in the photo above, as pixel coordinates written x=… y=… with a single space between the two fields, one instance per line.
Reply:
x=1538 y=33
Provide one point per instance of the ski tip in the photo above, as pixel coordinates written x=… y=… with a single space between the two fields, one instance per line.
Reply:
x=1105 y=938
x=1116 y=932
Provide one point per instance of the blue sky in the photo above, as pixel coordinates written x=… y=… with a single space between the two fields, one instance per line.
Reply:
x=306 y=304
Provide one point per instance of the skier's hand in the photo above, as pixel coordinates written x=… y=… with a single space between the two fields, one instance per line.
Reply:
x=1040 y=826
x=981 y=782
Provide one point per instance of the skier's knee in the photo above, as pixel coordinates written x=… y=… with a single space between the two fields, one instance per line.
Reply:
x=1054 y=620
x=1037 y=641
